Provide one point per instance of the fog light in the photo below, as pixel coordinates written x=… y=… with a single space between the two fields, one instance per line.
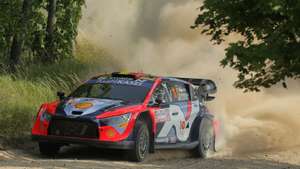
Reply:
x=110 y=133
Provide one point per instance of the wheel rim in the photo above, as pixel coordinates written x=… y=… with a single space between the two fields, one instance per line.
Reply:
x=143 y=144
x=206 y=138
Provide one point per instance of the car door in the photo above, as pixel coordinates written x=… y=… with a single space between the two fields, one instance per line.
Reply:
x=172 y=125
x=161 y=98
x=182 y=110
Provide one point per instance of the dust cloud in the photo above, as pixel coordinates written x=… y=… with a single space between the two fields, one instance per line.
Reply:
x=155 y=37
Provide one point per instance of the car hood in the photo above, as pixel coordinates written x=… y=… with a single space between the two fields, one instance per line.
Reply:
x=86 y=107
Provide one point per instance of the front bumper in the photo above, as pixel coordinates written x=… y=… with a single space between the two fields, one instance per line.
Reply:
x=124 y=145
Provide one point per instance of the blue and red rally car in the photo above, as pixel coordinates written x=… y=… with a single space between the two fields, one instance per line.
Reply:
x=132 y=111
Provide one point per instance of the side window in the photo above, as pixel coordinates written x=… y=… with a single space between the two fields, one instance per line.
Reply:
x=161 y=93
x=179 y=92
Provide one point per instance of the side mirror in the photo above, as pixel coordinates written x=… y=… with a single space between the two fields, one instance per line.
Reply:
x=210 y=98
x=205 y=91
x=208 y=87
x=61 y=95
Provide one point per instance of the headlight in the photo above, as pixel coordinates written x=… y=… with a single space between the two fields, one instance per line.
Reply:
x=120 y=123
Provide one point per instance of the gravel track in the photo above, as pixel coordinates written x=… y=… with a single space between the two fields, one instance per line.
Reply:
x=84 y=157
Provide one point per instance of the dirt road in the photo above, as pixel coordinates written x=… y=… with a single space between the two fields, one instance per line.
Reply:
x=85 y=157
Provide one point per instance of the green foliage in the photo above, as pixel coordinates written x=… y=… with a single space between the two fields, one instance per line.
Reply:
x=270 y=49
x=67 y=15
x=34 y=83
x=9 y=11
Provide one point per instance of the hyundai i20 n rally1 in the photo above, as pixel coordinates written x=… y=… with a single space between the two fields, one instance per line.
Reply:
x=135 y=112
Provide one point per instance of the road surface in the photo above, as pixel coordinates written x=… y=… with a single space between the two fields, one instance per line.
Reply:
x=86 y=157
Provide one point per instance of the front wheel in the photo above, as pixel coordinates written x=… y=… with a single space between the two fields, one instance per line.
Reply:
x=142 y=142
x=205 y=138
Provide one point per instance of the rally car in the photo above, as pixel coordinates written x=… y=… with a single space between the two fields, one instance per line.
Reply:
x=135 y=112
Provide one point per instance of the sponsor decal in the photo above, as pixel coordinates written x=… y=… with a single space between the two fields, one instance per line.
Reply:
x=83 y=105
x=162 y=115
x=87 y=105
x=182 y=125
x=121 y=81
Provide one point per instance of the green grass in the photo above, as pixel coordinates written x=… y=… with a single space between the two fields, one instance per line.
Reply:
x=19 y=102
x=22 y=94
x=21 y=97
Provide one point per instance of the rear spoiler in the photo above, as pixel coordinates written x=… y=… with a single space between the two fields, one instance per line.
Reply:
x=206 y=87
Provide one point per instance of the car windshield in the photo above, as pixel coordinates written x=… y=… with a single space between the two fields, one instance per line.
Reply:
x=127 y=93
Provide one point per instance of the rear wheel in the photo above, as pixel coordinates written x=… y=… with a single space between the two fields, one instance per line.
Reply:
x=205 y=138
x=142 y=142
x=48 y=149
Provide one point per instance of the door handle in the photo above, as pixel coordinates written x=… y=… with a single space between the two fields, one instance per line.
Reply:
x=175 y=114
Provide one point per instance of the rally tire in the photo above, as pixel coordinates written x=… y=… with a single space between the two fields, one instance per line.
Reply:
x=205 y=138
x=142 y=142
x=48 y=149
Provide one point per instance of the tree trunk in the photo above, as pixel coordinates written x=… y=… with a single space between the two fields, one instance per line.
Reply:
x=50 y=55
x=19 y=37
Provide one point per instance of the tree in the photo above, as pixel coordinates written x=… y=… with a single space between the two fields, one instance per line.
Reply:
x=6 y=28
x=19 y=36
x=49 y=54
x=68 y=14
x=61 y=31
x=269 y=50
x=31 y=30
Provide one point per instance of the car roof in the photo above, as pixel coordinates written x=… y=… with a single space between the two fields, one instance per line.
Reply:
x=151 y=78
x=133 y=75
x=138 y=75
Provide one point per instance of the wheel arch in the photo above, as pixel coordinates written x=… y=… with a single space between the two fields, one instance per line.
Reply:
x=194 y=134
x=150 y=120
